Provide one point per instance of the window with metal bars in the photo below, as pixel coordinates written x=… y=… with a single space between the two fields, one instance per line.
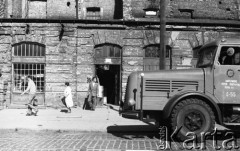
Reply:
x=22 y=70
x=151 y=57
x=28 y=49
x=107 y=51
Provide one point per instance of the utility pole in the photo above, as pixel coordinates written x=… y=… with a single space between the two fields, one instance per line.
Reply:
x=162 y=54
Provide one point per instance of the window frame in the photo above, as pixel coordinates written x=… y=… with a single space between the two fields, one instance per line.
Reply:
x=22 y=70
x=93 y=13
x=151 y=63
x=32 y=46
x=26 y=64
x=106 y=50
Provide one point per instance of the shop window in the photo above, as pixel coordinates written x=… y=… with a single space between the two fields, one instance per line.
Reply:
x=151 y=57
x=22 y=70
x=28 y=49
x=93 y=13
x=108 y=51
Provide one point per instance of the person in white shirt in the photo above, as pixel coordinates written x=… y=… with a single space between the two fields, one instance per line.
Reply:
x=67 y=98
x=32 y=103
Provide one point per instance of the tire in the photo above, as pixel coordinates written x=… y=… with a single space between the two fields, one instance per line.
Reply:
x=192 y=115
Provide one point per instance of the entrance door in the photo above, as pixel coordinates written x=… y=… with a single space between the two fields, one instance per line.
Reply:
x=109 y=78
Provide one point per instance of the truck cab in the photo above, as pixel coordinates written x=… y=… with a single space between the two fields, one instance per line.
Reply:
x=191 y=100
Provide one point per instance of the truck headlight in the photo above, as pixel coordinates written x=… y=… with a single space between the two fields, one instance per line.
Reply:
x=131 y=102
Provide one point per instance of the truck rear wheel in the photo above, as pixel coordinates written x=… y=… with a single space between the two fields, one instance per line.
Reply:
x=192 y=115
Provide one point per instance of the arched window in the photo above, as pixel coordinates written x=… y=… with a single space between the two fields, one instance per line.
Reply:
x=28 y=49
x=28 y=60
x=108 y=51
x=151 y=57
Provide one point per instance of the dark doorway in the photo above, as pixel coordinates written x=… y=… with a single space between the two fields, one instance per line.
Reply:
x=109 y=78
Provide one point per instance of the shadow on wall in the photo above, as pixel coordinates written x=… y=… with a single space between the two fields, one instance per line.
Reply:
x=118 y=10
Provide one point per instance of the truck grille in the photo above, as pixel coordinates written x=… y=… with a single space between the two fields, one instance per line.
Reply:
x=169 y=86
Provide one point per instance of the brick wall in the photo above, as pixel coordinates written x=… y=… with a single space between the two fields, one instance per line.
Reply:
x=107 y=7
x=37 y=9
x=208 y=9
x=61 y=9
x=66 y=9
x=71 y=57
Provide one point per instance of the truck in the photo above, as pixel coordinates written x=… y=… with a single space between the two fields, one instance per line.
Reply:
x=191 y=100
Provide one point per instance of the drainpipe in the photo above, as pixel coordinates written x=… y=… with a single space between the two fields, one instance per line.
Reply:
x=162 y=53
x=76 y=9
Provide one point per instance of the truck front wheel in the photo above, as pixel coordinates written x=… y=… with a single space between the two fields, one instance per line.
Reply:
x=192 y=115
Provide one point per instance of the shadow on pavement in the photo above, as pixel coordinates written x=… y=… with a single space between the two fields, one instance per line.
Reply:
x=132 y=128
x=134 y=131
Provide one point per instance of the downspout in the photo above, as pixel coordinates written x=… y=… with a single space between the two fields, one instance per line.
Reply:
x=75 y=66
x=77 y=9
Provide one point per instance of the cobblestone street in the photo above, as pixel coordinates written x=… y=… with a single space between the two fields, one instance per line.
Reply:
x=26 y=140
x=49 y=140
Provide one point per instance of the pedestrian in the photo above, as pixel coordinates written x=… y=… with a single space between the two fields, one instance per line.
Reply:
x=67 y=98
x=237 y=58
x=228 y=58
x=92 y=93
x=86 y=105
x=32 y=102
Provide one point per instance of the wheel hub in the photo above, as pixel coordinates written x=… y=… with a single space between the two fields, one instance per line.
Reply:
x=193 y=121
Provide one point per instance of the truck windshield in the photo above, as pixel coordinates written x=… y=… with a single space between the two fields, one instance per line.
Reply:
x=206 y=57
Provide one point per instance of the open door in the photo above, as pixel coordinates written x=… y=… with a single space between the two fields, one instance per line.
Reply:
x=109 y=78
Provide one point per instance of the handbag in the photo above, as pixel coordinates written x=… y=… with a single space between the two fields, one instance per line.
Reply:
x=100 y=90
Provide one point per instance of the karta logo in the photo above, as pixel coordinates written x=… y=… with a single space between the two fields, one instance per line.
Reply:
x=169 y=141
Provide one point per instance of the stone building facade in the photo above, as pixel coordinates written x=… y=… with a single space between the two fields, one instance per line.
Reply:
x=106 y=38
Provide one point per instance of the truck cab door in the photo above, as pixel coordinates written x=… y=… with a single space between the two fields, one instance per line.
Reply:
x=227 y=75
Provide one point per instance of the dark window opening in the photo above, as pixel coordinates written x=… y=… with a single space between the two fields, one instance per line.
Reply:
x=93 y=13
x=68 y=4
x=118 y=10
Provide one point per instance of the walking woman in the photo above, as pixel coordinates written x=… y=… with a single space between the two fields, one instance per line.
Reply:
x=67 y=98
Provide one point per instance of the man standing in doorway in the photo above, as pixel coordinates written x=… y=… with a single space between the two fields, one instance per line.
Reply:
x=32 y=103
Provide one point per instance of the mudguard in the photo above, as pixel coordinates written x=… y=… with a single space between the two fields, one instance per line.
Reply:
x=175 y=99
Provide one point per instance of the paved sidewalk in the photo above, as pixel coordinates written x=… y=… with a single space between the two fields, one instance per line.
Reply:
x=104 y=119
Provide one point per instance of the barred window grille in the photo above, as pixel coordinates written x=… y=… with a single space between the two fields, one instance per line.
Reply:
x=151 y=57
x=28 y=49
x=22 y=70
x=108 y=51
x=152 y=51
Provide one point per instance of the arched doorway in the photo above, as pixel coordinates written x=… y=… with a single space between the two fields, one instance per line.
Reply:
x=108 y=69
